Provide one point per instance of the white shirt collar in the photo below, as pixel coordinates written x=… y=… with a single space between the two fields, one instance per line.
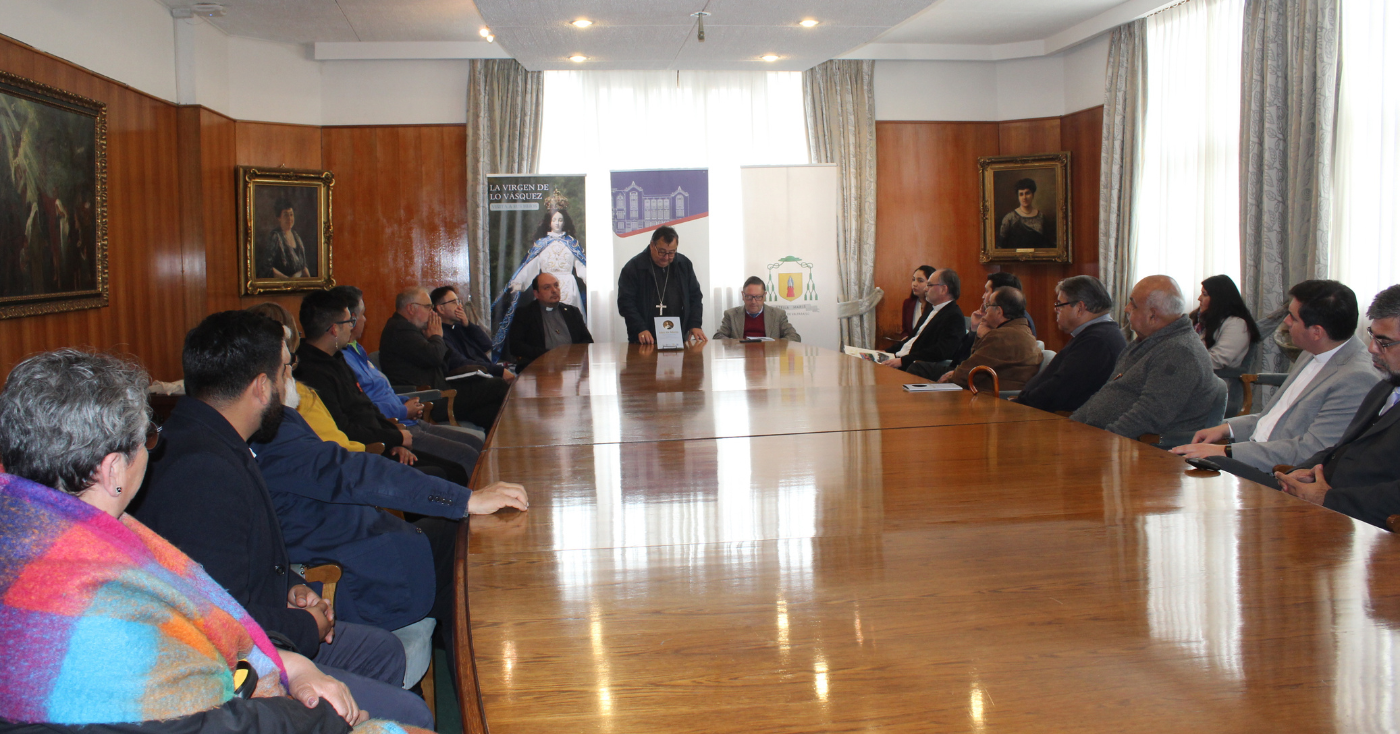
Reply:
x=1321 y=359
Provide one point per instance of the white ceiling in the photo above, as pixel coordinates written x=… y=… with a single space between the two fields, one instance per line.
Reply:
x=990 y=22
x=660 y=34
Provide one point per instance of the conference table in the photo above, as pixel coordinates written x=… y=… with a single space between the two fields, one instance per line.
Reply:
x=774 y=537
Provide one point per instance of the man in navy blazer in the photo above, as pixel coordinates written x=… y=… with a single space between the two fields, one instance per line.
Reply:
x=1085 y=364
x=205 y=494
x=1360 y=475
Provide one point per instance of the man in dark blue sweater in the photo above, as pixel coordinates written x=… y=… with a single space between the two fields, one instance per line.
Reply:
x=1077 y=372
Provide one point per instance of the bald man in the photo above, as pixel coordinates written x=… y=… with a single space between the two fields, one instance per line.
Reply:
x=1163 y=382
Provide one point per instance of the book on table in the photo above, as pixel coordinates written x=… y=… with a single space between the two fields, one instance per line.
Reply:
x=668 y=333
x=870 y=355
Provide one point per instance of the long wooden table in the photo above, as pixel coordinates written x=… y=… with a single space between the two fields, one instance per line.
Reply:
x=777 y=538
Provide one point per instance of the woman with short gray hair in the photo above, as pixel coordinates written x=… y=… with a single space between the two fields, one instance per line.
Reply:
x=110 y=623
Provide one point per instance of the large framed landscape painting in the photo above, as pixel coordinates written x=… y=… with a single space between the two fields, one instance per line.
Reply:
x=53 y=199
x=1025 y=208
x=284 y=227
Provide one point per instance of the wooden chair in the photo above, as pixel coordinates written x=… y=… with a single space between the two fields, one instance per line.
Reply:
x=327 y=575
x=1274 y=379
x=1392 y=522
x=972 y=379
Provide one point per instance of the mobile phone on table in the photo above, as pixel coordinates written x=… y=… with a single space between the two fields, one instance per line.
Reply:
x=1204 y=464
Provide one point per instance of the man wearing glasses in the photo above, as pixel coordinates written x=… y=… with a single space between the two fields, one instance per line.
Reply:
x=1082 y=306
x=755 y=321
x=660 y=282
x=1004 y=342
x=1360 y=475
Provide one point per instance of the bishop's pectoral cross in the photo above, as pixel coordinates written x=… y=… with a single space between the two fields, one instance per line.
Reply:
x=661 y=308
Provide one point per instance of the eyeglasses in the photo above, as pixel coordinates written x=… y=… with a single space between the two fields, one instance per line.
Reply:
x=663 y=253
x=152 y=436
x=350 y=321
x=1381 y=343
x=990 y=306
x=449 y=304
x=1062 y=305
x=758 y=297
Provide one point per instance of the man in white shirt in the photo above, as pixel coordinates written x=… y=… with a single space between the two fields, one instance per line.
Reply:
x=941 y=333
x=1317 y=401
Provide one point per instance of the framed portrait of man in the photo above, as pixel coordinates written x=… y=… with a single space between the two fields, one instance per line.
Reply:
x=1025 y=208
x=284 y=223
x=53 y=200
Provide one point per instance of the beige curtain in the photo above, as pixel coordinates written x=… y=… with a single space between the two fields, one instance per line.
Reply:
x=1123 y=110
x=839 y=97
x=1287 y=117
x=504 y=102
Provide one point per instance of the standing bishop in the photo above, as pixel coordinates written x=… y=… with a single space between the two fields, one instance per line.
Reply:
x=659 y=282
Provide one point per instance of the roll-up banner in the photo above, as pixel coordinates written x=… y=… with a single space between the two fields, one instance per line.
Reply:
x=641 y=202
x=536 y=224
x=790 y=242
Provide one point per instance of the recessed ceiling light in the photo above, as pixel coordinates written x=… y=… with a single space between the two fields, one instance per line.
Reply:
x=484 y=32
x=808 y=23
x=578 y=58
x=583 y=23
x=770 y=58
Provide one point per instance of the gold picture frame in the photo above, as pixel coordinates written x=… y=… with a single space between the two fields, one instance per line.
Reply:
x=284 y=230
x=53 y=201
x=1008 y=233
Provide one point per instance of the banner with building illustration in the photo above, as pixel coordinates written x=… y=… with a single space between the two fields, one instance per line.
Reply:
x=790 y=242
x=536 y=224
x=641 y=202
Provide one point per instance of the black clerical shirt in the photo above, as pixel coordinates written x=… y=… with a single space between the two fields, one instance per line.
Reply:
x=641 y=286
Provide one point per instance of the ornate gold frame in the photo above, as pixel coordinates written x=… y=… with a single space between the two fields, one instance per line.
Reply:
x=34 y=305
x=1062 y=252
x=250 y=177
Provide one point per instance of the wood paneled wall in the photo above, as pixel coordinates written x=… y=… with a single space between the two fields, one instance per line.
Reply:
x=146 y=264
x=400 y=217
x=173 y=243
x=928 y=210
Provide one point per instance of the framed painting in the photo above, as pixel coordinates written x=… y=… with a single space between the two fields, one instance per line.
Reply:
x=53 y=199
x=284 y=230
x=1025 y=208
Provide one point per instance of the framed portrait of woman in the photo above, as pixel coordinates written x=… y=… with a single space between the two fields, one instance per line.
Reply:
x=284 y=230
x=1025 y=208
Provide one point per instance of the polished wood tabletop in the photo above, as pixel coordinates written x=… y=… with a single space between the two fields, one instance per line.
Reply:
x=899 y=562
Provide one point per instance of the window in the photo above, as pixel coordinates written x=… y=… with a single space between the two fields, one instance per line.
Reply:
x=1186 y=220
x=1366 y=169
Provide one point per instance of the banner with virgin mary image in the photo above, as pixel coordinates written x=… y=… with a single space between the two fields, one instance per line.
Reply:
x=536 y=225
x=642 y=202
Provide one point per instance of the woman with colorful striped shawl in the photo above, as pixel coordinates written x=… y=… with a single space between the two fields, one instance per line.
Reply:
x=102 y=622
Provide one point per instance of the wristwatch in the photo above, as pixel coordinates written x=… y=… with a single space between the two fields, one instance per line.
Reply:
x=1228 y=453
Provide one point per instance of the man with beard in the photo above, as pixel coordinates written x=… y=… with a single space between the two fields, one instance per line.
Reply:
x=1360 y=475
x=205 y=494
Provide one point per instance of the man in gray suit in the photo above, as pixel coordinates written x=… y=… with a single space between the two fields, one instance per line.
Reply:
x=1163 y=382
x=1316 y=402
x=754 y=319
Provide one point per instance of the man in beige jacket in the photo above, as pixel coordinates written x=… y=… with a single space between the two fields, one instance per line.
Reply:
x=755 y=318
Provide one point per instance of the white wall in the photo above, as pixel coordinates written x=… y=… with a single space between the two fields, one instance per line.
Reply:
x=394 y=92
x=273 y=82
x=964 y=91
x=131 y=41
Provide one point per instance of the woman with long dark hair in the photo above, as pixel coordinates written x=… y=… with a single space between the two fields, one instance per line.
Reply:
x=1224 y=322
x=914 y=306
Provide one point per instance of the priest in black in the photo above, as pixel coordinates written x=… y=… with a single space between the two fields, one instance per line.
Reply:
x=659 y=282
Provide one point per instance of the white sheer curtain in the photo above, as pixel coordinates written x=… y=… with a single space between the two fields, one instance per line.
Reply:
x=1366 y=178
x=601 y=121
x=1186 y=222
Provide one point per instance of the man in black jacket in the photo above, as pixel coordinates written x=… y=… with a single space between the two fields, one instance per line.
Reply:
x=1360 y=476
x=659 y=281
x=546 y=322
x=205 y=494
x=937 y=340
x=468 y=345
x=1081 y=307
x=328 y=326
x=412 y=352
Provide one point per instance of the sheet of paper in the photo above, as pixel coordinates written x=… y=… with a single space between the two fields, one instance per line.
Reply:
x=932 y=387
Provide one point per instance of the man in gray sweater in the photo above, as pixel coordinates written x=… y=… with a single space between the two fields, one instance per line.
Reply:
x=1163 y=382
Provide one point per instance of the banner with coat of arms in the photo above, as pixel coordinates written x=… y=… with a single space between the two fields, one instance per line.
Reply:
x=790 y=242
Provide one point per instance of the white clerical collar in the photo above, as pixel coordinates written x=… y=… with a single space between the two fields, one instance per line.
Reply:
x=549 y=308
